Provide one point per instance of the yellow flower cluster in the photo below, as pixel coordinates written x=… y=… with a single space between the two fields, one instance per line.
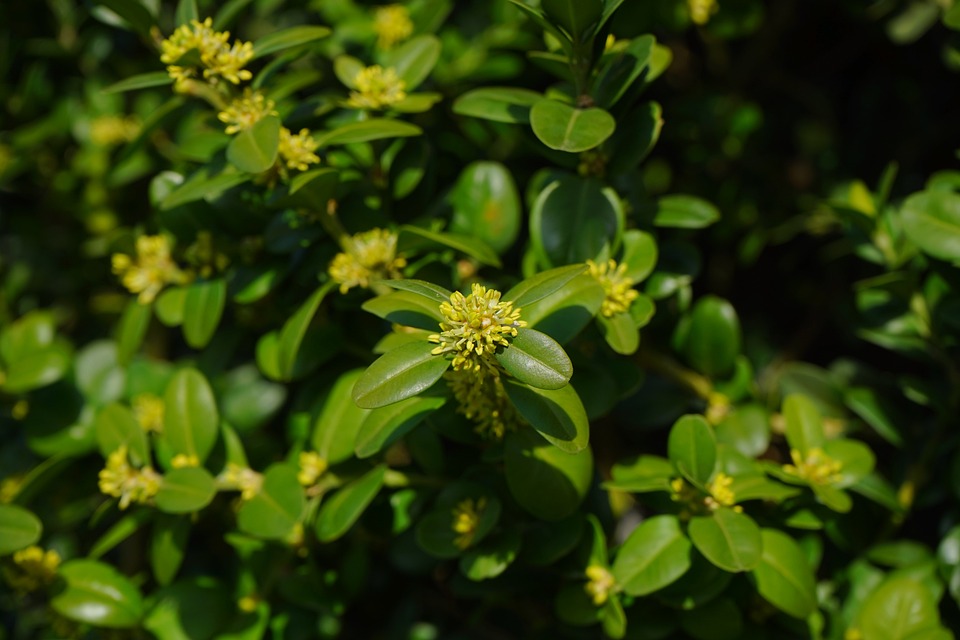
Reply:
x=121 y=480
x=297 y=150
x=617 y=286
x=482 y=399
x=106 y=131
x=219 y=59
x=376 y=88
x=152 y=270
x=702 y=10
x=204 y=257
x=243 y=479
x=184 y=461
x=466 y=519
x=816 y=467
x=392 y=24
x=600 y=584
x=372 y=256
x=148 y=409
x=720 y=493
x=246 y=111
x=32 y=569
x=475 y=326
x=9 y=488
x=312 y=466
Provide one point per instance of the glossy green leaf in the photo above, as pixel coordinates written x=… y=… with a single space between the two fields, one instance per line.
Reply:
x=492 y=557
x=759 y=487
x=536 y=359
x=900 y=608
x=546 y=481
x=641 y=474
x=620 y=332
x=134 y=13
x=294 y=330
x=542 y=285
x=784 y=577
x=385 y=425
x=728 y=539
x=692 y=448
x=746 y=429
x=201 y=186
x=613 y=619
x=99 y=376
x=38 y=369
x=97 y=594
x=140 y=81
x=711 y=342
x=875 y=409
x=338 y=513
x=19 y=528
x=186 y=490
x=254 y=150
x=203 y=306
x=639 y=254
x=931 y=220
x=486 y=205
x=654 y=555
x=538 y=16
x=338 y=424
x=197 y=608
x=276 y=509
x=287 y=38
x=169 y=306
x=119 y=532
x=804 y=424
x=116 y=426
x=500 y=104
x=685 y=212
x=414 y=59
x=557 y=414
x=574 y=607
x=131 y=329
x=635 y=139
x=856 y=458
x=428 y=290
x=191 y=420
x=168 y=546
x=563 y=314
x=407 y=309
x=473 y=247
x=312 y=190
x=566 y=128
x=623 y=69
x=576 y=16
x=368 y=131
x=399 y=374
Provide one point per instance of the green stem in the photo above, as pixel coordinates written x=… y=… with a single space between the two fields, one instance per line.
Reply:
x=670 y=368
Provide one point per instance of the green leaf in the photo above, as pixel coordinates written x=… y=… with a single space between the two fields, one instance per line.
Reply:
x=500 y=104
x=405 y=308
x=98 y=375
x=486 y=205
x=98 y=594
x=202 y=186
x=711 y=342
x=140 y=81
x=900 y=608
x=620 y=332
x=428 y=290
x=564 y=313
x=576 y=16
x=186 y=490
x=399 y=374
x=614 y=619
x=574 y=607
x=203 y=306
x=276 y=509
x=337 y=514
x=932 y=221
x=639 y=254
x=574 y=220
x=542 y=285
x=784 y=577
x=759 y=487
x=168 y=546
x=492 y=557
x=876 y=410
x=368 y=131
x=186 y=12
x=557 y=414
x=538 y=16
x=622 y=71
x=131 y=329
x=728 y=539
x=120 y=531
x=197 y=608
x=385 y=425
x=856 y=458
x=804 y=424
x=609 y=6
x=435 y=533
x=294 y=330
x=169 y=306
x=254 y=150
x=313 y=189
x=414 y=59
x=37 y=369
x=339 y=421
x=719 y=619
x=566 y=128
x=546 y=481
x=536 y=359
x=685 y=212
x=635 y=139
x=134 y=13
x=19 y=528
x=654 y=555
x=268 y=355
x=33 y=332
x=643 y=474
x=116 y=426
x=692 y=448
x=471 y=246
x=287 y=38
x=746 y=429
x=190 y=420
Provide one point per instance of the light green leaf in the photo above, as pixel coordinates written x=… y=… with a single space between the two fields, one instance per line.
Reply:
x=19 y=528
x=203 y=306
x=141 y=81
x=932 y=221
x=566 y=128
x=287 y=38
x=399 y=374
x=190 y=420
x=168 y=546
x=368 y=131
x=492 y=557
x=186 y=490
x=486 y=205
x=784 y=577
x=338 y=424
x=900 y=608
x=97 y=594
x=337 y=514
x=116 y=426
x=500 y=104
x=414 y=59
x=692 y=448
x=254 y=150
x=620 y=332
x=685 y=212
x=276 y=509
x=385 y=425
x=471 y=246
x=654 y=555
x=131 y=329
x=728 y=539
x=804 y=424
x=542 y=285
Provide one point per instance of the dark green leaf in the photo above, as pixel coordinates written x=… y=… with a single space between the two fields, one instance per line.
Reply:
x=536 y=359
x=134 y=13
x=276 y=509
x=622 y=71
x=131 y=329
x=294 y=330
x=428 y=290
x=486 y=205
x=203 y=306
x=406 y=308
x=399 y=374
x=692 y=448
x=190 y=421
x=385 y=425
x=654 y=555
x=576 y=16
x=500 y=104
x=254 y=150
x=558 y=414
x=471 y=246
x=116 y=426
x=711 y=342
x=337 y=514
x=168 y=546
x=545 y=480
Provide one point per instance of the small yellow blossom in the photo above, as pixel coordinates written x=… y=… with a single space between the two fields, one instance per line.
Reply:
x=297 y=150
x=816 y=467
x=617 y=286
x=248 y=604
x=218 y=57
x=243 y=479
x=9 y=488
x=466 y=519
x=392 y=24
x=152 y=270
x=600 y=585
x=246 y=111
x=720 y=493
x=148 y=409
x=475 y=326
x=106 y=131
x=6 y=158
x=482 y=399
x=376 y=88
x=204 y=257
x=183 y=461
x=702 y=10
x=853 y=633
x=718 y=407
x=120 y=480
x=312 y=466
x=372 y=256
x=20 y=409
x=32 y=569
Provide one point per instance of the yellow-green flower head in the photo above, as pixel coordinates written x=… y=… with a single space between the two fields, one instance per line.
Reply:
x=219 y=58
x=372 y=256
x=246 y=111
x=312 y=466
x=376 y=88
x=32 y=569
x=106 y=131
x=9 y=488
x=392 y=24
x=466 y=519
x=152 y=270
x=617 y=286
x=475 y=326
x=297 y=150
x=482 y=399
x=121 y=480
x=148 y=409
x=720 y=493
x=702 y=10
x=816 y=467
x=243 y=479
x=600 y=584
x=184 y=461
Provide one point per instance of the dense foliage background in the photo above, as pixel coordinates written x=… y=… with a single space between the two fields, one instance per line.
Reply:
x=778 y=178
